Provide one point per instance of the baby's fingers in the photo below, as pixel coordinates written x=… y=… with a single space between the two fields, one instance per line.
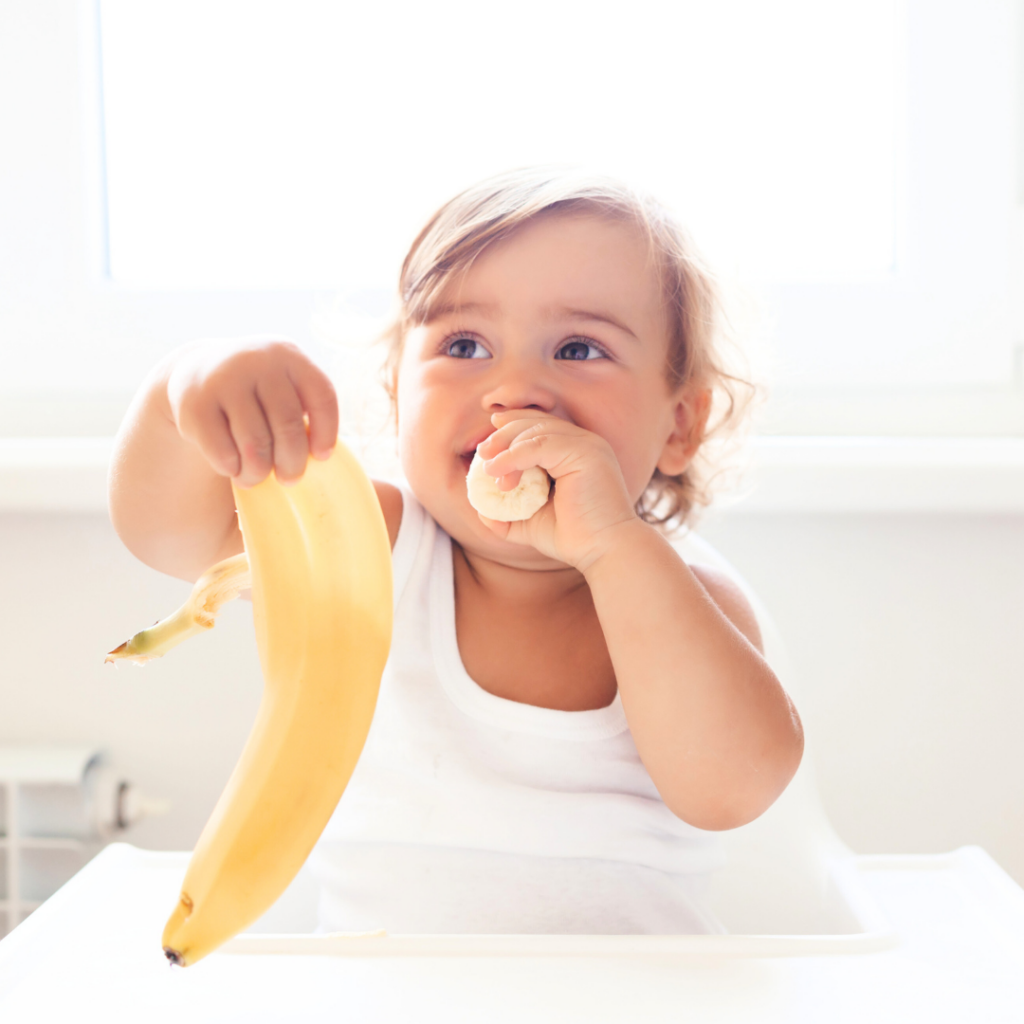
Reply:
x=505 y=435
x=282 y=410
x=500 y=529
x=510 y=480
x=209 y=429
x=253 y=438
x=533 y=447
x=320 y=402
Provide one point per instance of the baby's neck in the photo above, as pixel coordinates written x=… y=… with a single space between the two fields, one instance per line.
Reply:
x=512 y=627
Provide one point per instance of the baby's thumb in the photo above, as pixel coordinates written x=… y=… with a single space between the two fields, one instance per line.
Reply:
x=496 y=527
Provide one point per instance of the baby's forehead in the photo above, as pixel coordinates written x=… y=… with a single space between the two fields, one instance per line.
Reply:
x=557 y=266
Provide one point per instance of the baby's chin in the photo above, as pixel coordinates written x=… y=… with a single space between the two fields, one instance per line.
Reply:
x=477 y=539
x=503 y=552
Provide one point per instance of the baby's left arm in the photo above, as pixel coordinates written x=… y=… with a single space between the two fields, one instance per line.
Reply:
x=713 y=725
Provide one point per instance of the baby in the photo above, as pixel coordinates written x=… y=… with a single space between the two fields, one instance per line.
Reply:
x=570 y=711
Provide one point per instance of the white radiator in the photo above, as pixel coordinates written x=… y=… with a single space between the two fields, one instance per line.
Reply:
x=59 y=805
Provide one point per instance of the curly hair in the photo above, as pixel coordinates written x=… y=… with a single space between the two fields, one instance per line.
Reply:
x=494 y=209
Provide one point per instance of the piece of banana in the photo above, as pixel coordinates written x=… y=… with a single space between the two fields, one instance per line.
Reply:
x=321 y=588
x=527 y=497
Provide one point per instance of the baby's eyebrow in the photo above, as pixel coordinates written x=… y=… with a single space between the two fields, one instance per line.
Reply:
x=490 y=309
x=588 y=314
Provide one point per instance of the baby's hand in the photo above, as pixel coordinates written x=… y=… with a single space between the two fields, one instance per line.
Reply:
x=590 y=498
x=242 y=402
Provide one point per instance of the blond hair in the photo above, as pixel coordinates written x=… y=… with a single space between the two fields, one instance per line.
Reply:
x=493 y=209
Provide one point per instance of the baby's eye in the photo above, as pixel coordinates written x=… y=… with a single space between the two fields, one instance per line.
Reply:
x=578 y=349
x=466 y=348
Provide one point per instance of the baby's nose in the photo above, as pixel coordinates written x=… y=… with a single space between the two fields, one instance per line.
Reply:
x=520 y=388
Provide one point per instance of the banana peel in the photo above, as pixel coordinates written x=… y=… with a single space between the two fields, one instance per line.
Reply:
x=319 y=566
x=220 y=583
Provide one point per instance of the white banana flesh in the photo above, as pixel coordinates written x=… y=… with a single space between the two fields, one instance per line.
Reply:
x=528 y=497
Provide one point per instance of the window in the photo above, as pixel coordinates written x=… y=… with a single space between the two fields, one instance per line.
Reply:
x=254 y=145
x=855 y=162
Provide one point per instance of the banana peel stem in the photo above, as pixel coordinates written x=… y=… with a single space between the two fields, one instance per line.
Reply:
x=220 y=583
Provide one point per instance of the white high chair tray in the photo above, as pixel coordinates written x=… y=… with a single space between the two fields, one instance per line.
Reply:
x=951 y=949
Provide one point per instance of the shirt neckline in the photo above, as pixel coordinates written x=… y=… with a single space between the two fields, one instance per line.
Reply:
x=473 y=700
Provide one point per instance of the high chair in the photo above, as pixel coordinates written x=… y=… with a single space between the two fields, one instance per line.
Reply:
x=815 y=933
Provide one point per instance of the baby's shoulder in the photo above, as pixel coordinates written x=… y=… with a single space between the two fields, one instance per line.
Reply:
x=726 y=593
x=390 y=498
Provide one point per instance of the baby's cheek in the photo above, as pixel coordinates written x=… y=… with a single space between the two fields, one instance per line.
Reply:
x=431 y=468
x=413 y=459
x=637 y=472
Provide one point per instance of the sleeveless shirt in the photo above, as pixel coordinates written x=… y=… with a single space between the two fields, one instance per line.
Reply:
x=471 y=813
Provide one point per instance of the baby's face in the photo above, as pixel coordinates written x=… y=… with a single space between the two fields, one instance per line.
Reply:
x=565 y=317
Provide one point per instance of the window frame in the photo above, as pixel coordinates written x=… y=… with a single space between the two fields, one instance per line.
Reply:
x=171 y=317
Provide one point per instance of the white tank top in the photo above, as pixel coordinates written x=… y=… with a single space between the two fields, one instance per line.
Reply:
x=470 y=813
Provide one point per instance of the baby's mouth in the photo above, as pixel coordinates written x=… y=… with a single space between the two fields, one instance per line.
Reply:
x=467 y=455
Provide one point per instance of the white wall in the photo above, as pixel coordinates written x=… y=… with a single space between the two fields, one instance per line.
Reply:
x=905 y=632
x=70 y=592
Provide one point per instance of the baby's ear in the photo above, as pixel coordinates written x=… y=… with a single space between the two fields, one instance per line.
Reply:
x=691 y=410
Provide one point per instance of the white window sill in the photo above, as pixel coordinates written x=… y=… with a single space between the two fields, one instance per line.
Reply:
x=882 y=474
x=54 y=474
x=785 y=474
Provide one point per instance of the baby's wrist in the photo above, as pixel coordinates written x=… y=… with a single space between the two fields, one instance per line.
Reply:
x=614 y=546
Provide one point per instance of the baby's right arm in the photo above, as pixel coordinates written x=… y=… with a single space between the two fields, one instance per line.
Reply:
x=212 y=411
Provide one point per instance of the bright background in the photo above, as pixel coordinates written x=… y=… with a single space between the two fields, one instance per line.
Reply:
x=897 y=579
x=304 y=144
x=227 y=167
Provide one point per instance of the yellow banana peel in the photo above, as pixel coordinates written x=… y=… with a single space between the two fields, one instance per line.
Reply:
x=220 y=583
x=320 y=563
